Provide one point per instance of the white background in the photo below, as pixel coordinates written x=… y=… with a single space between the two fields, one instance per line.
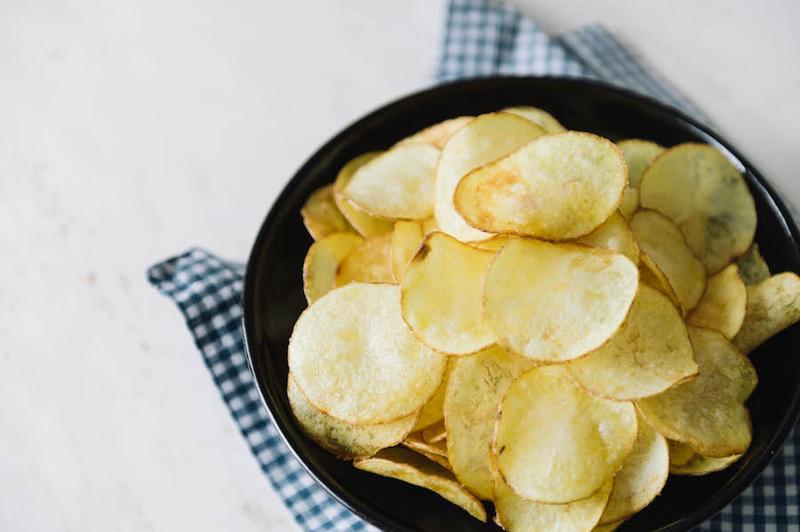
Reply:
x=130 y=131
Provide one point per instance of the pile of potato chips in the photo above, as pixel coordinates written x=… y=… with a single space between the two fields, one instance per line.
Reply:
x=503 y=310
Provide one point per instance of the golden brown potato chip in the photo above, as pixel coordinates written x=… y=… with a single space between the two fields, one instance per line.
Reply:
x=321 y=216
x=557 y=187
x=442 y=293
x=630 y=202
x=772 y=306
x=679 y=453
x=641 y=478
x=322 y=261
x=494 y=243
x=433 y=411
x=438 y=134
x=663 y=242
x=355 y=359
x=651 y=275
x=555 y=442
x=707 y=412
x=540 y=117
x=406 y=239
x=344 y=440
x=366 y=225
x=649 y=354
x=476 y=385
x=436 y=433
x=639 y=155
x=405 y=465
x=434 y=457
x=369 y=262
x=483 y=140
x=723 y=304
x=703 y=465
x=429 y=226
x=707 y=198
x=396 y=184
x=616 y=235
x=416 y=442
x=608 y=528
x=517 y=514
x=752 y=267
x=556 y=302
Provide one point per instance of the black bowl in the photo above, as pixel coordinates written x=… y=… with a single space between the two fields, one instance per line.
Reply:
x=273 y=294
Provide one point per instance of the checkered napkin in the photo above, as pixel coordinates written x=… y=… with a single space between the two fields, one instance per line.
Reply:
x=481 y=38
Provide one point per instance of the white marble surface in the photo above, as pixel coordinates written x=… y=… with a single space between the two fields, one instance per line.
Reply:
x=132 y=130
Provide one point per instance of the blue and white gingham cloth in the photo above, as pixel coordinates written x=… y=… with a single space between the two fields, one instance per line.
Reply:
x=482 y=37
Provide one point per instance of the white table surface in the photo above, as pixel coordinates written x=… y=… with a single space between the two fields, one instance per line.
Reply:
x=132 y=130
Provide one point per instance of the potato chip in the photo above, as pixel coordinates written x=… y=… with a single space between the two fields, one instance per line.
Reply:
x=723 y=304
x=651 y=275
x=366 y=225
x=639 y=155
x=322 y=261
x=679 y=453
x=614 y=234
x=483 y=140
x=369 y=262
x=475 y=387
x=442 y=293
x=433 y=411
x=608 y=528
x=406 y=239
x=557 y=187
x=556 y=302
x=663 y=242
x=641 y=478
x=355 y=359
x=429 y=226
x=707 y=198
x=772 y=306
x=435 y=433
x=433 y=457
x=437 y=134
x=630 y=202
x=494 y=243
x=321 y=216
x=649 y=354
x=540 y=117
x=396 y=184
x=405 y=465
x=752 y=267
x=556 y=442
x=344 y=440
x=416 y=442
x=703 y=465
x=516 y=513
x=707 y=412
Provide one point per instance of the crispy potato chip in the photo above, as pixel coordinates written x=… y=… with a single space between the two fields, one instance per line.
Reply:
x=630 y=202
x=433 y=411
x=406 y=239
x=723 y=304
x=707 y=198
x=641 y=478
x=639 y=155
x=321 y=216
x=369 y=262
x=396 y=184
x=475 y=387
x=516 y=513
x=344 y=440
x=322 y=261
x=433 y=457
x=366 y=225
x=483 y=140
x=614 y=234
x=679 y=453
x=405 y=465
x=429 y=226
x=772 y=306
x=557 y=187
x=494 y=243
x=703 y=465
x=608 y=528
x=435 y=433
x=438 y=134
x=540 y=117
x=556 y=442
x=355 y=359
x=663 y=242
x=649 y=354
x=442 y=293
x=707 y=412
x=416 y=442
x=651 y=275
x=556 y=302
x=752 y=267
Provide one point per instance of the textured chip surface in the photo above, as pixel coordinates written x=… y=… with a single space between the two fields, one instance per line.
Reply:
x=322 y=262
x=366 y=225
x=772 y=306
x=321 y=216
x=723 y=304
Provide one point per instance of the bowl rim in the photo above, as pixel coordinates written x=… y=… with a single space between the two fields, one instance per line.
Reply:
x=357 y=506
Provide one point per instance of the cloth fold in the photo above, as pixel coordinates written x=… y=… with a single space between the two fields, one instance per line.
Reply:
x=482 y=37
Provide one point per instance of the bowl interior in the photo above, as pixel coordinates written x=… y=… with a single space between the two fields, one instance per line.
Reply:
x=274 y=296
